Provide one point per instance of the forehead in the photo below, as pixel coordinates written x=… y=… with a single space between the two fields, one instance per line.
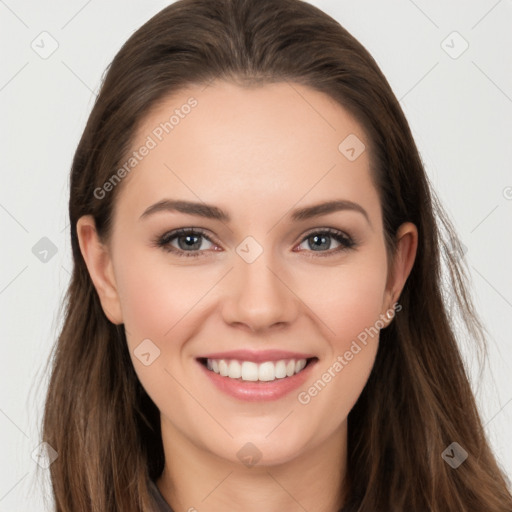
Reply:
x=275 y=144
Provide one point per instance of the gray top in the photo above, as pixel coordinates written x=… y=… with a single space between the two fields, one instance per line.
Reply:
x=161 y=504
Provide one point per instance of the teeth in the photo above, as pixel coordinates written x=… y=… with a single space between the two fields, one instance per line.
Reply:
x=280 y=370
x=250 y=371
x=267 y=371
x=223 y=368
x=299 y=365
x=235 y=370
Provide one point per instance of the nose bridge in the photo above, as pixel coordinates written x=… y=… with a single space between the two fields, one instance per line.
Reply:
x=257 y=295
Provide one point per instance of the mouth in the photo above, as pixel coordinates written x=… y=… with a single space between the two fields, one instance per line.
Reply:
x=251 y=371
x=256 y=377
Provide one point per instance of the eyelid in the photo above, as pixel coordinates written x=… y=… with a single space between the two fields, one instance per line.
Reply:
x=331 y=231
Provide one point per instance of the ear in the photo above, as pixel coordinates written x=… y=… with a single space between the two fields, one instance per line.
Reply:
x=405 y=254
x=99 y=264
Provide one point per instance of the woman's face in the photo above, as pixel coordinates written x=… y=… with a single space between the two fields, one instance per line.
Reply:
x=263 y=275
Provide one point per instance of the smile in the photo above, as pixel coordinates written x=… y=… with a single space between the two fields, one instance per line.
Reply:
x=251 y=371
x=255 y=377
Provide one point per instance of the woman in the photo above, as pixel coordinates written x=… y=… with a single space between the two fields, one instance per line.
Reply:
x=255 y=318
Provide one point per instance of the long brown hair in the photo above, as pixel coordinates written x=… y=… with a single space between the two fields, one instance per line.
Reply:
x=417 y=401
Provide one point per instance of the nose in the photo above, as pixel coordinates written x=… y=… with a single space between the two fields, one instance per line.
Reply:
x=258 y=297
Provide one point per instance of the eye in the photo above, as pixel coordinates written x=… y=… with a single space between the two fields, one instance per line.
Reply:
x=320 y=241
x=188 y=242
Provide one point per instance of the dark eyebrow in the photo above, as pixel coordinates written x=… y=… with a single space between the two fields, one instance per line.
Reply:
x=213 y=212
x=328 y=207
x=200 y=209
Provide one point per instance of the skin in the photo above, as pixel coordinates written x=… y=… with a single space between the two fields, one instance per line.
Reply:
x=275 y=149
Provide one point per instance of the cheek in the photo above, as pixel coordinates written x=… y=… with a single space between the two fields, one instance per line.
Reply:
x=359 y=306
x=349 y=307
x=156 y=296
x=346 y=299
x=159 y=304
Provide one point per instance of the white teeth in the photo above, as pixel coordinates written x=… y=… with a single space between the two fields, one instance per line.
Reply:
x=299 y=365
x=235 y=370
x=280 y=370
x=267 y=371
x=250 y=371
x=223 y=368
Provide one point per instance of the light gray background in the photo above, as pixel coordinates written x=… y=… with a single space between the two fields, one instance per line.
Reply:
x=459 y=110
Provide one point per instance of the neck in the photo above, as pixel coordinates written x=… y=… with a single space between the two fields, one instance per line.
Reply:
x=196 y=479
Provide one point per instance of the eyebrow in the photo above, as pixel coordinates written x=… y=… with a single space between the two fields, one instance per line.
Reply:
x=213 y=212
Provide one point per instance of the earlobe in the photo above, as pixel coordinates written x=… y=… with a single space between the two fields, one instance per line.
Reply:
x=99 y=265
x=404 y=257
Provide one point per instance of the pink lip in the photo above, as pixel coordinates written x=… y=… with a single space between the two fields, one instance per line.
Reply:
x=257 y=356
x=251 y=391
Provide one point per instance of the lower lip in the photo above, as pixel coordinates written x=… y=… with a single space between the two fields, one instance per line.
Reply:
x=258 y=391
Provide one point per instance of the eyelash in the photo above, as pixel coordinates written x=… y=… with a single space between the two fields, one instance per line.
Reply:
x=346 y=242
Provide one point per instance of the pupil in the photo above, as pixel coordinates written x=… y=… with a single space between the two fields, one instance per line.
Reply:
x=191 y=240
x=323 y=241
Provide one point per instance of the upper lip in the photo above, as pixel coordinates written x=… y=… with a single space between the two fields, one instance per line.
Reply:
x=257 y=356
